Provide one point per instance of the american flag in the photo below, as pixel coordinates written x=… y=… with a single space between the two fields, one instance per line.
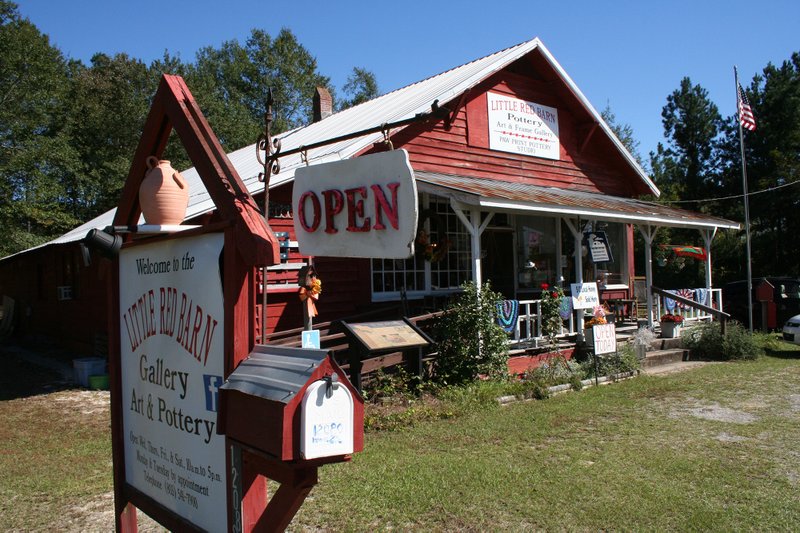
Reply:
x=746 y=117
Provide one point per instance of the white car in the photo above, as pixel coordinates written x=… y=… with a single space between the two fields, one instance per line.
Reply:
x=791 y=330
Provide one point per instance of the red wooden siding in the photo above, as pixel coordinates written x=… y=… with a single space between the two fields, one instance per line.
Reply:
x=346 y=286
x=592 y=165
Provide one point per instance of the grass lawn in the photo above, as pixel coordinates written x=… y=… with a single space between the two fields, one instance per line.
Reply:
x=714 y=448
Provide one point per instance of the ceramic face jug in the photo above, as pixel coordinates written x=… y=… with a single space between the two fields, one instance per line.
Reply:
x=164 y=194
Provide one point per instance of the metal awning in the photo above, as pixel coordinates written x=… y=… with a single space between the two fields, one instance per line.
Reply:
x=525 y=198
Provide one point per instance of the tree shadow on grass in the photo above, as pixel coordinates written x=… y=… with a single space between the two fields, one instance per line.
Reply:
x=783 y=354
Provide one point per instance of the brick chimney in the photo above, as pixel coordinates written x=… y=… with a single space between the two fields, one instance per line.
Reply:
x=323 y=104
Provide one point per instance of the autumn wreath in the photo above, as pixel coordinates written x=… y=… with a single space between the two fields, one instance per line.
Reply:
x=431 y=249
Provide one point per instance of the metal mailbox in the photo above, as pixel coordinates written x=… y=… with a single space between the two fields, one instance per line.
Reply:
x=293 y=404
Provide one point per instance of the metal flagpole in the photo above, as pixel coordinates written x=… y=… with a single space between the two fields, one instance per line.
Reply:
x=746 y=206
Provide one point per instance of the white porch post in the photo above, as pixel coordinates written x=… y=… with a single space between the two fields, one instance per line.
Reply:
x=708 y=236
x=578 y=236
x=559 y=253
x=647 y=233
x=475 y=228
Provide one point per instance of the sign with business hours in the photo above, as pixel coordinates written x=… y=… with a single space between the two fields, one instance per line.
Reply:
x=172 y=364
x=360 y=207
x=584 y=295
x=605 y=339
x=523 y=127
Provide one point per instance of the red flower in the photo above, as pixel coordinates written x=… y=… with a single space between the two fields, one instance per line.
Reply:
x=545 y=286
x=554 y=294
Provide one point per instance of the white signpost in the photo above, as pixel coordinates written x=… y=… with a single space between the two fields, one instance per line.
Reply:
x=584 y=295
x=360 y=207
x=171 y=336
x=605 y=339
x=523 y=127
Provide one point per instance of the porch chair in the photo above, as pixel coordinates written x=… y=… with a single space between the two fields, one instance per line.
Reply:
x=638 y=287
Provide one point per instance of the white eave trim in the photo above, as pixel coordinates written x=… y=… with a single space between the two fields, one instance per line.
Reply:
x=599 y=214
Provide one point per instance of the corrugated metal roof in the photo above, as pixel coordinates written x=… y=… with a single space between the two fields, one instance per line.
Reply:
x=526 y=197
x=276 y=373
x=391 y=107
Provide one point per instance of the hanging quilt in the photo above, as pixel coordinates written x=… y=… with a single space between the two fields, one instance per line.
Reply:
x=508 y=314
x=686 y=293
x=700 y=296
x=669 y=303
x=565 y=309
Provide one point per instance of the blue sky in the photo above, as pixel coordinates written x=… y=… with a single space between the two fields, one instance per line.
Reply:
x=629 y=54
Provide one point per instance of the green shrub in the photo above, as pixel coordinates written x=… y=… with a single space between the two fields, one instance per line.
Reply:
x=471 y=344
x=555 y=371
x=706 y=341
x=623 y=361
x=397 y=383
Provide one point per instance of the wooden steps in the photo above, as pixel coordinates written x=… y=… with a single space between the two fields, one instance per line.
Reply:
x=665 y=352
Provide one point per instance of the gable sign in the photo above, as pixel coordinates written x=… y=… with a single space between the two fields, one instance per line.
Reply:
x=361 y=207
x=522 y=127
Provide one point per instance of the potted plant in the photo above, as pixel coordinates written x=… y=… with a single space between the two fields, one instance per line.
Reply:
x=670 y=325
x=598 y=318
x=641 y=341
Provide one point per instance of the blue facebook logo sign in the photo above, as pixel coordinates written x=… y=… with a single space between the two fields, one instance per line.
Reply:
x=211 y=384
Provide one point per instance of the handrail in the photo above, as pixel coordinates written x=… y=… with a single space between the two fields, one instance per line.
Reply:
x=719 y=314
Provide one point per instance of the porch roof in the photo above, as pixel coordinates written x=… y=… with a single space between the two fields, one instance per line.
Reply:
x=494 y=195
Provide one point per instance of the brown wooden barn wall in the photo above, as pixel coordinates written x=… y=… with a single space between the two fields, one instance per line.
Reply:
x=32 y=280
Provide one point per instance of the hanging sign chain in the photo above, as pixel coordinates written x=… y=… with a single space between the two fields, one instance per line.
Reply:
x=386 y=139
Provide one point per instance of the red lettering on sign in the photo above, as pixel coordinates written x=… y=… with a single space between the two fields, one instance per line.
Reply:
x=316 y=208
x=382 y=205
x=355 y=208
x=310 y=208
x=334 y=203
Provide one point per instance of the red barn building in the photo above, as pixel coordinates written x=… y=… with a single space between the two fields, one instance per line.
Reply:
x=513 y=171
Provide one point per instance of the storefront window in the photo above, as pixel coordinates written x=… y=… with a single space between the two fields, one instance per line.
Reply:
x=536 y=241
x=452 y=268
x=608 y=272
x=444 y=266
x=394 y=275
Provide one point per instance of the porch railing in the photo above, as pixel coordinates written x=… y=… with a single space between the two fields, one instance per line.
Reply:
x=528 y=330
x=692 y=310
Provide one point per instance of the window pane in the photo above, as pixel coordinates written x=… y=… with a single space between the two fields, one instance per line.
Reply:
x=537 y=246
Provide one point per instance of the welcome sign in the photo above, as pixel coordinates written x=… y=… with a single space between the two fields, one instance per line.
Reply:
x=171 y=344
x=523 y=127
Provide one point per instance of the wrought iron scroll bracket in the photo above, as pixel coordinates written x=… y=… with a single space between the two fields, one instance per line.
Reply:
x=268 y=152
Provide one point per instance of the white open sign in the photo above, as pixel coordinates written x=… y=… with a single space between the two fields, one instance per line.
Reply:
x=605 y=339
